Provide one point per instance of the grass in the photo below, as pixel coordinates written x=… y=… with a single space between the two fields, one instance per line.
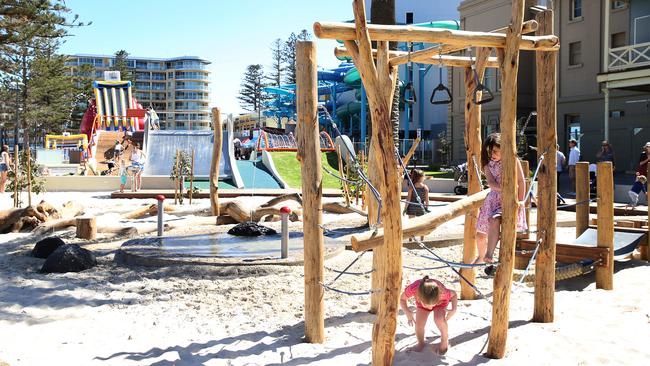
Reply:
x=439 y=174
x=289 y=168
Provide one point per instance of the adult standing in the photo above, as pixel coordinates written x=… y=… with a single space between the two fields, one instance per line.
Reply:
x=561 y=162
x=5 y=165
x=574 y=157
x=137 y=160
x=644 y=159
x=606 y=153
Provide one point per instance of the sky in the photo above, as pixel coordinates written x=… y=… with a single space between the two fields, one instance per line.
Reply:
x=230 y=33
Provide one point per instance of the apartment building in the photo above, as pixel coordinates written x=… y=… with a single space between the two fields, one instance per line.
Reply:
x=177 y=88
x=603 y=75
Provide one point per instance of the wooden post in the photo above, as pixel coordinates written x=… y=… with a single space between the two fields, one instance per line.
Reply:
x=473 y=153
x=29 y=175
x=16 y=176
x=216 y=158
x=522 y=262
x=344 y=183
x=191 y=177
x=509 y=61
x=544 y=308
x=176 y=177
x=605 y=275
x=312 y=189
x=582 y=196
x=86 y=227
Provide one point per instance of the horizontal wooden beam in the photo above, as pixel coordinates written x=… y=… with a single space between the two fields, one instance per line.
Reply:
x=445 y=60
x=567 y=253
x=424 y=224
x=529 y=26
x=405 y=33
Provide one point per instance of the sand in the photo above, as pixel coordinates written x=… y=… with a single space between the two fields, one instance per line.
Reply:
x=199 y=315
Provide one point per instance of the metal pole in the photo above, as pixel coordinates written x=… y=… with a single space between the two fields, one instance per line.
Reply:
x=161 y=210
x=606 y=93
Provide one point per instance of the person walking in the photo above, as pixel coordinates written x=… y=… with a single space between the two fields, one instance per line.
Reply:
x=606 y=153
x=5 y=166
x=574 y=157
x=561 y=162
x=644 y=159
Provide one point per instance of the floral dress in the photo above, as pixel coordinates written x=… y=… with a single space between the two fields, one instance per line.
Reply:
x=492 y=204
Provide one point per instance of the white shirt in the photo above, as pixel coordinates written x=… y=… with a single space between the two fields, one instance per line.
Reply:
x=574 y=156
x=135 y=156
x=560 y=161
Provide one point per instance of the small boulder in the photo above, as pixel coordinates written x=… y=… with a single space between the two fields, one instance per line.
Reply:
x=47 y=246
x=69 y=258
x=251 y=229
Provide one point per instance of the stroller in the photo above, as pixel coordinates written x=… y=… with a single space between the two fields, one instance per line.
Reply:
x=460 y=176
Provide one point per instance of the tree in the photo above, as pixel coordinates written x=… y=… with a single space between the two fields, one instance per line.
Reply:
x=277 y=65
x=83 y=83
x=121 y=65
x=251 y=96
x=289 y=54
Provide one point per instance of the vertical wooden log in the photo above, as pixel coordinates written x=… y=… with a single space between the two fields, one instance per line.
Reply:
x=176 y=177
x=16 y=176
x=521 y=262
x=371 y=202
x=509 y=200
x=86 y=227
x=544 y=308
x=216 y=158
x=192 y=177
x=582 y=196
x=29 y=175
x=344 y=183
x=312 y=189
x=605 y=275
x=473 y=153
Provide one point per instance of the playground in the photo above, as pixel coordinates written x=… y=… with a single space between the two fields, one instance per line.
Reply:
x=299 y=253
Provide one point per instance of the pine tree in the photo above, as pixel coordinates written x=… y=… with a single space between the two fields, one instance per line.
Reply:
x=83 y=83
x=121 y=65
x=289 y=54
x=277 y=65
x=251 y=96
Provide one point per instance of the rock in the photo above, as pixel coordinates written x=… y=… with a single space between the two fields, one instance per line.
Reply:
x=69 y=258
x=251 y=229
x=47 y=246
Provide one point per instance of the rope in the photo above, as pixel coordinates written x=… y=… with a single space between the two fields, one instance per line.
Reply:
x=578 y=203
x=429 y=205
x=349 y=273
x=327 y=287
x=411 y=184
x=449 y=263
x=532 y=258
x=341 y=178
x=423 y=268
x=341 y=273
x=530 y=190
x=478 y=172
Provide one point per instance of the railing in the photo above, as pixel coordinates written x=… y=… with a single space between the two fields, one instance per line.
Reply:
x=635 y=55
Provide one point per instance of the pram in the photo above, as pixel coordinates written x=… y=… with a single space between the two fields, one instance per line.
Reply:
x=460 y=176
x=110 y=165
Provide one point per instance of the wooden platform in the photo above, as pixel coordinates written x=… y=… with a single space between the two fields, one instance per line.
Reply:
x=619 y=209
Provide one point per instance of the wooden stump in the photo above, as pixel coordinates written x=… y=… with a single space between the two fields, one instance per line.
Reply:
x=582 y=195
x=605 y=275
x=216 y=158
x=87 y=227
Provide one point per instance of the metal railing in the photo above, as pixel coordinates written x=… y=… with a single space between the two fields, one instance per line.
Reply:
x=629 y=56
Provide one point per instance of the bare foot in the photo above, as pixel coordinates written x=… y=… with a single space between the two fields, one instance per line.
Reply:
x=442 y=348
x=478 y=260
x=418 y=347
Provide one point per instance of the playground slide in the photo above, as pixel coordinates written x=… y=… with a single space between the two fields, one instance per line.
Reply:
x=624 y=242
x=254 y=174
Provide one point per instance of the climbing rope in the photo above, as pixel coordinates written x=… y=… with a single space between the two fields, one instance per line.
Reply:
x=578 y=203
x=341 y=178
x=478 y=172
x=344 y=271
x=411 y=184
x=429 y=205
x=532 y=258
x=327 y=287
x=448 y=263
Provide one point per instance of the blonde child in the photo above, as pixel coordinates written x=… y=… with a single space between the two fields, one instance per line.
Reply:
x=488 y=225
x=122 y=175
x=430 y=296
x=638 y=186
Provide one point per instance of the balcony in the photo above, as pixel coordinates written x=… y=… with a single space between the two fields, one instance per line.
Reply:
x=633 y=56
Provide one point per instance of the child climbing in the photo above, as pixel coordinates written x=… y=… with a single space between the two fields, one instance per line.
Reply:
x=488 y=225
x=413 y=207
x=122 y=175
x=430 y=296
x=638 y=186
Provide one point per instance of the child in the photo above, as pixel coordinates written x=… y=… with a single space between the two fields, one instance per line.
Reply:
x=413 y=208
x=430 y=296
x=122 y=175
x=488 y=225
x=638 y=186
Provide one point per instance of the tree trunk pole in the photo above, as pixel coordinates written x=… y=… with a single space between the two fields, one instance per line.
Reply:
x=191 y=177
x=216 y=158
x=29 y=175
x=544 y=308
x=473 y=151
x=509 y=201
x=582 y=197
x=605 y=275
x=16 y=176
x=312 y=189
x=176 y=177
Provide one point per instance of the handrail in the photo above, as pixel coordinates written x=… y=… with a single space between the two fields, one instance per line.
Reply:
x=634 y=55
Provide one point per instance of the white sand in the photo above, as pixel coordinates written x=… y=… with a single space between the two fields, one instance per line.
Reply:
x=253 y=315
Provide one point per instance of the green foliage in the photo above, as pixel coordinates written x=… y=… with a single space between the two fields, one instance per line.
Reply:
x=38 y=184
x=251 y=96
x=181 y=170
x=277 y=66
x=444 y=147
x=289 y=54
x=83 y=84
x=121 y=65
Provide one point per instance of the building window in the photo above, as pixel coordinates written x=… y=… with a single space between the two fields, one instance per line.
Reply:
x=575 y=54
x=576 y=9
x=409 y=17
x=642 y=29
x=618 y=40
x=492 y=80
x=619 y=4
x=573 y=127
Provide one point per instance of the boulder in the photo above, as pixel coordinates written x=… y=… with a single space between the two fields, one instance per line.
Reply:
x=69 y=258
x=47 y=246
x=250 y=229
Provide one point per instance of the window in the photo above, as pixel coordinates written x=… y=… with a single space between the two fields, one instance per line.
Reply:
x=642 y=29
x=575 y=54
x=492 y=80
x=576 y=10
x=618 y=40
x=409 y=17
x=573 y=127
x=619 y=4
